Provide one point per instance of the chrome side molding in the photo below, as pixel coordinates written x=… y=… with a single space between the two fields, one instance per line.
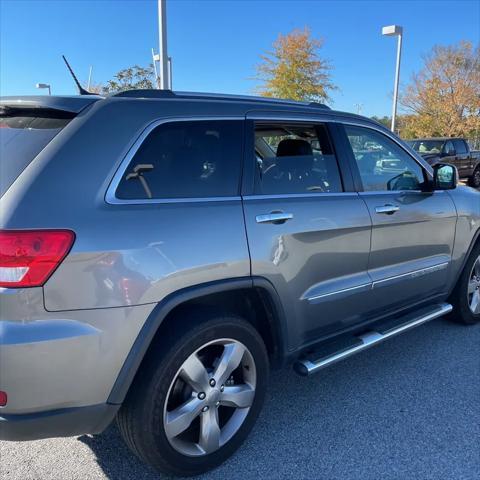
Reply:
x=306 y=367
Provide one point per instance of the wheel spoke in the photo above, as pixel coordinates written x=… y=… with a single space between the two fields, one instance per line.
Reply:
x=475 y=303
x=194 y=373
x=229 y=361
x=178 y=420
x=239 y=396
x=209 y=431
x=472 y=286
x=476 y=268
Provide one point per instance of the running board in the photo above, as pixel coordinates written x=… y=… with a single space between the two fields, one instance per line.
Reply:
x=308 y=366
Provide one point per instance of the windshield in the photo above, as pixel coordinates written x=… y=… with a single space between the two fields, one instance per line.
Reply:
x=24 y=133
x=427 y=146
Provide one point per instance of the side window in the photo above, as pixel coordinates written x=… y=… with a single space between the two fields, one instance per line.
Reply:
x=295 y=158
x=460 y=147
x=383 y=165
x=186 y=160
x=448 y=148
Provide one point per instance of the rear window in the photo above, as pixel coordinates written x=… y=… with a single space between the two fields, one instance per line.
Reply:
x=186 y=160
x=24 y=133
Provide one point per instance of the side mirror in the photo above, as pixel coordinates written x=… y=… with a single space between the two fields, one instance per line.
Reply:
x=445 y=176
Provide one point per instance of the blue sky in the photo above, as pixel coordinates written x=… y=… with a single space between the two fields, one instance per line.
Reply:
x=215 y=44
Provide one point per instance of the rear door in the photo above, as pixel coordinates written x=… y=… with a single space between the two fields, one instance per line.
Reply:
x=413 y=230
x=308 y=231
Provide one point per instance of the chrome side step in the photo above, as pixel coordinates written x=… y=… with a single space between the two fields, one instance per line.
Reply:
x=306 y=366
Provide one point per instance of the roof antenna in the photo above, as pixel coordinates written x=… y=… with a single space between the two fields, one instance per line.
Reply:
x=81 y=90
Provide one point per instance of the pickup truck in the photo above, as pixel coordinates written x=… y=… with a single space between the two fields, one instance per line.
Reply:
x=451 y=150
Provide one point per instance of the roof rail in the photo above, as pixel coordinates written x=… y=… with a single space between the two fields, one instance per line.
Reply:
x=150 y=93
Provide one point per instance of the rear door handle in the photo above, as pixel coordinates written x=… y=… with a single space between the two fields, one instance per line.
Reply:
x=276 y=218
x=387 y=209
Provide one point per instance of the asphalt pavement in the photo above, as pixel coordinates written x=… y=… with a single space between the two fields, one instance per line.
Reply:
x=406 y=409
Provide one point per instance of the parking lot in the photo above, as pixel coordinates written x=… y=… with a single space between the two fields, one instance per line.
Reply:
x=408 y=408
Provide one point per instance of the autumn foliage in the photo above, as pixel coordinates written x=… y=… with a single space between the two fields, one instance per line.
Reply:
x=443 y=98
x=294 y=69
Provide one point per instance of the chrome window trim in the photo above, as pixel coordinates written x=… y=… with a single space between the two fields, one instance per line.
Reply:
x=110 y=195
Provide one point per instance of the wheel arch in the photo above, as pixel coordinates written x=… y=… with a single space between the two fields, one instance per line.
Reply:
x=473 y=243
x=226 y=295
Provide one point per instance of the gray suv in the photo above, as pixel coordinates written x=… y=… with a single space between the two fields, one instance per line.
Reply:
x=160 y=251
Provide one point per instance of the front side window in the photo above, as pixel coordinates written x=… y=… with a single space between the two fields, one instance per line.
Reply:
x=295 y=159
x=186 y=160
x=382 y=164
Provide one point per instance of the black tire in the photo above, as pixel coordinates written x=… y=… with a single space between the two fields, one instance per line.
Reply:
x=141 y=417
x=459 y=298
x=474 y=180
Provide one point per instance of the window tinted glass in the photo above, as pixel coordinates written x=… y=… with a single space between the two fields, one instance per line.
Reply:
x=448 y=147
x=23 y=135
x=383 y=165
x=295 y=159
x=186 y=160
x=460 y=147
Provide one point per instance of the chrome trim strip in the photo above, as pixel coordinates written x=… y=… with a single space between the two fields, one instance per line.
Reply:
x=414 y=273
x=299 y=195
x=110 y=196
x=337 y=292
x=307 y=367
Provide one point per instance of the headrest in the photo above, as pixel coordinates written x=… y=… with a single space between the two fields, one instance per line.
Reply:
x=291 y=147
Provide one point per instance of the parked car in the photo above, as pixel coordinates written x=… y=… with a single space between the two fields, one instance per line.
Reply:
x=159 y=252
x=451 y=150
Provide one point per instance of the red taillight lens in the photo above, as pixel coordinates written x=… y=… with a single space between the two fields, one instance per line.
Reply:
x=3 y=399
x=29 y=257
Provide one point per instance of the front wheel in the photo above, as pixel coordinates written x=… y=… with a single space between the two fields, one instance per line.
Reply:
x=475 y=179
x=466 y=296
x=197 y=397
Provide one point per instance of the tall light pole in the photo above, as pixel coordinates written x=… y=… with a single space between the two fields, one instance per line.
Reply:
x=395 y=31
x=163 y=52
x=44 y=85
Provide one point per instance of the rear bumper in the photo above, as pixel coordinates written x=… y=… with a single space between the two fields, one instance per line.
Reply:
x=66 y=422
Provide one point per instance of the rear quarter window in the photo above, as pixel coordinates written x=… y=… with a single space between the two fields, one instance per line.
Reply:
x=24 y=133
x=193 y=159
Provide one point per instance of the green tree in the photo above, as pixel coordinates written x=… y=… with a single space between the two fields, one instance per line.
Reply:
x=131 y=78
x=294 y=69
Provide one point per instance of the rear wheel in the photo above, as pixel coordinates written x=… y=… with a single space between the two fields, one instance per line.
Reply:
x=466 y=296
x=197 y=397
x=475 y=178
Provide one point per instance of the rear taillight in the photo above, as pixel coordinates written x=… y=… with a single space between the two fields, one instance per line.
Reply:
x=29 y=257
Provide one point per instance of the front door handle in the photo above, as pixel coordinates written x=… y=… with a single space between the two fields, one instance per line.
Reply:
x=274 y=217
x=387 y=209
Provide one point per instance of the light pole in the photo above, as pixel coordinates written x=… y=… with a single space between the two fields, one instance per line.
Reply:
x=395 y=31
x=163 y=52
x=44 y=85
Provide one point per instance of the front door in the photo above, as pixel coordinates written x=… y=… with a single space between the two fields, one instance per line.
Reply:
x=413 y=231
x=307 y=235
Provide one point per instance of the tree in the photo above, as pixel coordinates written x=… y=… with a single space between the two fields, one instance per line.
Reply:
x=295 y=70
x=131 y=78
x=444 y=96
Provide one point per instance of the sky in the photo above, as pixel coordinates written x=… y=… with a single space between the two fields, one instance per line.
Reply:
x=215 y=45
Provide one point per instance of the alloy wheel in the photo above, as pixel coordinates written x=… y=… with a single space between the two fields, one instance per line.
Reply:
x=210 y=397
x=474 y=288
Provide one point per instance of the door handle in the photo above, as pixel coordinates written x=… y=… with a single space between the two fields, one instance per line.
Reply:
x=387 y=209
x=275 y=217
